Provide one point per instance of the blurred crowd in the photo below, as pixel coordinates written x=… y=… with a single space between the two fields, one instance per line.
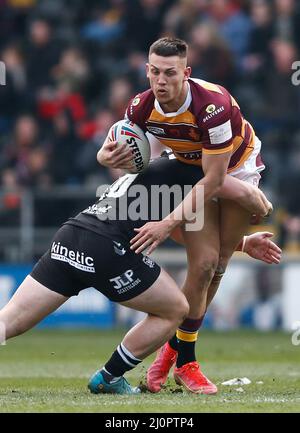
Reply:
x=73 y=65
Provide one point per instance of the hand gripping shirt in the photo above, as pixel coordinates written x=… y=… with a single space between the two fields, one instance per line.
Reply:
x=210 y=121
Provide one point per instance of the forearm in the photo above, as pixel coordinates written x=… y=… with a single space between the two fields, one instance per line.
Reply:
x=191 y=208
x=195 y=200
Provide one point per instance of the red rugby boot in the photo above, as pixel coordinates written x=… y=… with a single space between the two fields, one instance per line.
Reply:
x=158 y=371
x=191 y=377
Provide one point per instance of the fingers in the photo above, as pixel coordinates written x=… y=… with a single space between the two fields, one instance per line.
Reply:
x=119 y=156
x=267 y=234
x=141 y=244
x=152 y=248
x=110 y=145
x=270 y=259
x=274 y=248
x=139 y=240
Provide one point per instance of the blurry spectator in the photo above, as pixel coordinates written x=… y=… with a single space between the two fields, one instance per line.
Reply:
x=287 y=21
x=53 y=101
x=72 y=71
x=210 y=57
x=42 y=54
x=137 y=71
x=120 y=93
x=94 y=133
x=288 y=215
x=260 y=36
x=234 y=26
x=10 y=198
x=144 y=22
x=26 y=153
x=66 y=146
x=281 y=97
x=13 y=16
x=15 y=66
x=107 y=23
x=183 y=16
x=13 y=95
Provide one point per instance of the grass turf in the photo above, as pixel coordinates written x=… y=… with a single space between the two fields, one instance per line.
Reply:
x=48 y=371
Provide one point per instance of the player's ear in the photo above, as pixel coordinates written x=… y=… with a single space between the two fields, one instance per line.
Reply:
x=147 y=69
x=187 y=73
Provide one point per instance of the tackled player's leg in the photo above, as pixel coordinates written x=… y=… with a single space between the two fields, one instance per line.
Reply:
x=203 y=255
x=29 y=305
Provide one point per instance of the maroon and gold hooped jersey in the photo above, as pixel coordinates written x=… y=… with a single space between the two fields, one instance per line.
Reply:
x=210 y=121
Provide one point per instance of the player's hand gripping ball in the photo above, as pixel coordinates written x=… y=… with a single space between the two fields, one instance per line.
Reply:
x=126 y=132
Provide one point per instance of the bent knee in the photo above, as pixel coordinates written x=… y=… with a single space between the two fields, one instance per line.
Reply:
x=179 y=308
x=204 y=267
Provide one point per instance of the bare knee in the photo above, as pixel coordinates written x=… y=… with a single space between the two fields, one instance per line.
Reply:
x=12 y=322
x=178 y=309
x=203 y=269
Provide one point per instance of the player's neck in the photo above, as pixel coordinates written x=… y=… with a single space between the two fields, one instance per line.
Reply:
x=174 y=106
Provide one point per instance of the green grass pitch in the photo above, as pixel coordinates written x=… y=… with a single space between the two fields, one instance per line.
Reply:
x=48 y=371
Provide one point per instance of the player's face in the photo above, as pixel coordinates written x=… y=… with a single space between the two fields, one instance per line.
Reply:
x=167 y=76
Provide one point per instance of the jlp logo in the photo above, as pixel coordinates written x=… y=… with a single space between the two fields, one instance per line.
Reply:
x=123 y=280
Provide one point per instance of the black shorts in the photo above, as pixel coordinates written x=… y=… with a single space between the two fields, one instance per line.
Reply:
x=79 y=258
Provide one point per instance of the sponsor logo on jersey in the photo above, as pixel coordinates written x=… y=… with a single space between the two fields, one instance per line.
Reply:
x=148 y=262
x=221 y=133
x=156 y=130
x=213 y=113
x=124 y=282
x=210 y=108
x=191 y=156
x=119 y=249
x=136 y=101
x=74 y=258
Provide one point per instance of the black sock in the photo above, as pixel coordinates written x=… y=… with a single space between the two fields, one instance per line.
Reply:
x=120 y=362
x=187 y=335
x=173 y=342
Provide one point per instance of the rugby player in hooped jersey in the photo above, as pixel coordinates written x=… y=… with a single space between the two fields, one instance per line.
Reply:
x=203 y=125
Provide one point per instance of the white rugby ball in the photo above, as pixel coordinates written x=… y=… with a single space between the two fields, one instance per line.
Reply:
x=129 y=133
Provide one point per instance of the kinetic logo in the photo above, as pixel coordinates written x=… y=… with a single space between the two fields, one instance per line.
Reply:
x=74 y=258
x=2 y=74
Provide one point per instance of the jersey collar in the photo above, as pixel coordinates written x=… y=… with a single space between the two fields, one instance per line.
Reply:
x=182 y=109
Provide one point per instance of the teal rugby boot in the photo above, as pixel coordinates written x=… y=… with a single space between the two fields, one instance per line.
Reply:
x=98 y=384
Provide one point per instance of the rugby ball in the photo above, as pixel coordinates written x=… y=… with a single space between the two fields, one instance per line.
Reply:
x=129 y=133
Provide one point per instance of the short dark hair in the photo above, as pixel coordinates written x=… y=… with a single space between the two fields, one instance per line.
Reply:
x=167 y=47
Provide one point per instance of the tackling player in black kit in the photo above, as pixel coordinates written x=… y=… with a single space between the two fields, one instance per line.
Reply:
x=93 y=250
